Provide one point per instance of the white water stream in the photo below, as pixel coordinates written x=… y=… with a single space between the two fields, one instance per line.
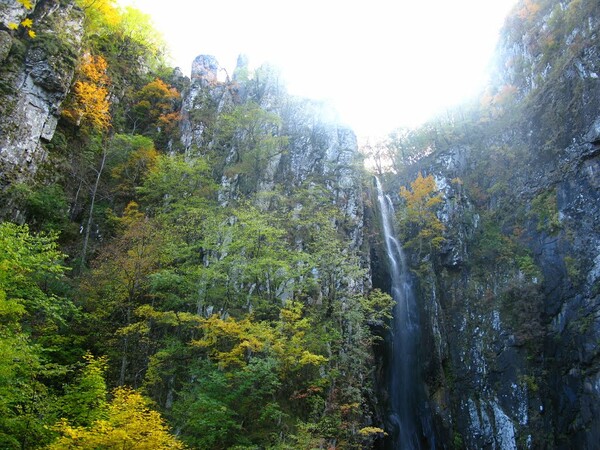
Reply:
x=403 y=380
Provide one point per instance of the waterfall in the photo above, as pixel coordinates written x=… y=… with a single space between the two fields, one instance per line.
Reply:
x=408 y=427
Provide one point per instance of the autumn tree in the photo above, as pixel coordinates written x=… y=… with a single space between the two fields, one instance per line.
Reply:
x=419 y=224
x=130 y=424
x=118 y=284
x=90 y=105
x=133 y=159
x=155 y=110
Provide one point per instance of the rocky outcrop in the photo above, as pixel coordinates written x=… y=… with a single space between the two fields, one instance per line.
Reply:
x=36 y=75
x=312 y=148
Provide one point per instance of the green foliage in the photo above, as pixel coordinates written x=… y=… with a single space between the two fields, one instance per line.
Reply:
x=30 y=320
x=528 y=267
x=378 y=306
x=125 y=34
x=84 y=400
x=492 y=247
x=544 y=209
x=27 y=264
x=574 y=269
x=254 y=134
x=242 y=321
x=45 y=206
x=176 y=185
x=133 y=159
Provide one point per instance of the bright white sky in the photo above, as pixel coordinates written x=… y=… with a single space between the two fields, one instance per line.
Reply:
x=381 y=63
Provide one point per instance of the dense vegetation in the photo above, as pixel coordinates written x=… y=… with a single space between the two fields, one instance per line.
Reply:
x=156 y=293
x=136 y=307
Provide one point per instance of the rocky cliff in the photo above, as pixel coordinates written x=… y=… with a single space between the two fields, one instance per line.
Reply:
x=510 y=302
x=296 y=142
x=36 y=74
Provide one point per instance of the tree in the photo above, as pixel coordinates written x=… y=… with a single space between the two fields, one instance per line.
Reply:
x=30 y=316
x=133 y=159
x=84 y=401
x=253 y=133
x=131 y=425
x=155 y=109
x=419 y=224
x=90 y=104
x=119 y=283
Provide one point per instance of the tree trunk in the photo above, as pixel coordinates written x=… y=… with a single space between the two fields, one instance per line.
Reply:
x=91 y=213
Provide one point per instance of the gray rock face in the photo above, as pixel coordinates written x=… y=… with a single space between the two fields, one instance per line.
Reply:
x=13 y=12
x=513 y=357
x=35 y=85
x=206 y=99
x=317 y=147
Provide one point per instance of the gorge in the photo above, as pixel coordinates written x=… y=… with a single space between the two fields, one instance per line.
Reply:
x=407 y=425
x=208 y=257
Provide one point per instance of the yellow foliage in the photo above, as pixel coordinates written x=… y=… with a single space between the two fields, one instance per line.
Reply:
x=25 y=23
x=131 y=425
x=100 y=13
x=419 y=220
x=90 y=105
x=94 y=70
x=232 y=342
x=26 y=3
x=367 y=431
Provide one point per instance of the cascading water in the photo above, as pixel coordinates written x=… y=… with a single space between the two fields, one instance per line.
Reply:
x=405 y=416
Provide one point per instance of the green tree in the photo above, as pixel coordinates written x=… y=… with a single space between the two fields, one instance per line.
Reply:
x=31 y=317
x=254 y=136
x=84 y=400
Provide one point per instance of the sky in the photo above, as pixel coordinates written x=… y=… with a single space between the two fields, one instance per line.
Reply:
x=382 y=64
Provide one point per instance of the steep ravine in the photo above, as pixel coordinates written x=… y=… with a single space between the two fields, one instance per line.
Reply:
x=501 y=347
x=510 y=304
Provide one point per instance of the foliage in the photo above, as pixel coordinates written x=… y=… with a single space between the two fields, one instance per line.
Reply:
x=133 y=159
x=45 y=205
x=30 y=320
x=155 y=108
x=242 y=319
x=130 y=424
x=27 y=262
x=119 y=32
x=90 y=103
x=254 y=135
x=418 y=221
x=26 y=24
x=545 y=210
x=84 y=400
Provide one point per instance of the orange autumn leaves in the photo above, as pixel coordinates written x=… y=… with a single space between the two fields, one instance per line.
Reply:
x=90 y=105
